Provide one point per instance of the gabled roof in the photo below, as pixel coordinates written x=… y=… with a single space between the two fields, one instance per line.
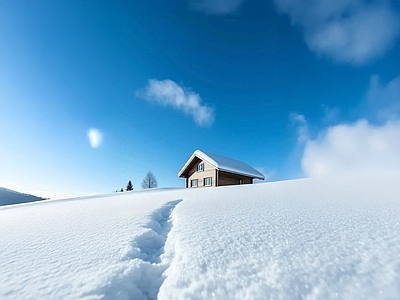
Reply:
x=223 y=163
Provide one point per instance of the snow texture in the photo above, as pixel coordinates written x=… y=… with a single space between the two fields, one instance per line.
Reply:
x=223 y=163
x=92 y=248
x=300 y=239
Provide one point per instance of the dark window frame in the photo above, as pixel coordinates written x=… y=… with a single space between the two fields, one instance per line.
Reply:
x=210 y=184
x=192 y=181
x=200 y=167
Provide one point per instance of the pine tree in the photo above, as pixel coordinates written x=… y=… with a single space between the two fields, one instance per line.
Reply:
x=149 y=181
x=129 y=187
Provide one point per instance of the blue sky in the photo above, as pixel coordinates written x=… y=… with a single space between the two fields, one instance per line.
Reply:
x=96 y=93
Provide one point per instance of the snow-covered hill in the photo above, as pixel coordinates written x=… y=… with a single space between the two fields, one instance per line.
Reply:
x=8 y=197
x=300 y=239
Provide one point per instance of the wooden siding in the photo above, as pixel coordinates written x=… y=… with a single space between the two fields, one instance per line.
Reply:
x=209 y=171
x=232 y=179
x=218 y=178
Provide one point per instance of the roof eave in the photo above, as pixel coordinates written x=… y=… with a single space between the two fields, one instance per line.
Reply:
x=182 y=172
x=203 y=156
x=200 y=155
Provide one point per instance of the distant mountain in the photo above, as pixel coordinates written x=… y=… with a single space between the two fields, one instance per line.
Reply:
x=12 y=197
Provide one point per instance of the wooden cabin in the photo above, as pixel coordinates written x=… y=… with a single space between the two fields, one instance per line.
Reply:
x=204 y=169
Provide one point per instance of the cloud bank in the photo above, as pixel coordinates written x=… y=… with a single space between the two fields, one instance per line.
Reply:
x=216 y=7
x=360 y=147
x=95 y=137
x=354 y=31
x=168 y=93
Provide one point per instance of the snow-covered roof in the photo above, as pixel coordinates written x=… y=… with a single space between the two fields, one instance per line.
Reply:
x=223 y=163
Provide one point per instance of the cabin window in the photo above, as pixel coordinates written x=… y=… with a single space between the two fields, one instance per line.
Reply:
x=207 y=181
x=193 y=183
x=200 y=167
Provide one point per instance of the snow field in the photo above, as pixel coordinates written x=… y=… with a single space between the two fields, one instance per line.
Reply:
x=300 y=239
x=83 y=248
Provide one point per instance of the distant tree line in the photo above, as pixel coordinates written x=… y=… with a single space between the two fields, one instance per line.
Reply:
x=148 y=182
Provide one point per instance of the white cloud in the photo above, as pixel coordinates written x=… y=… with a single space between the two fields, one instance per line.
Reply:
x=302 y=126
x=168 y=93
x=216 y=7
x=95 y=137
x=357 y=148
x=354 y=31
